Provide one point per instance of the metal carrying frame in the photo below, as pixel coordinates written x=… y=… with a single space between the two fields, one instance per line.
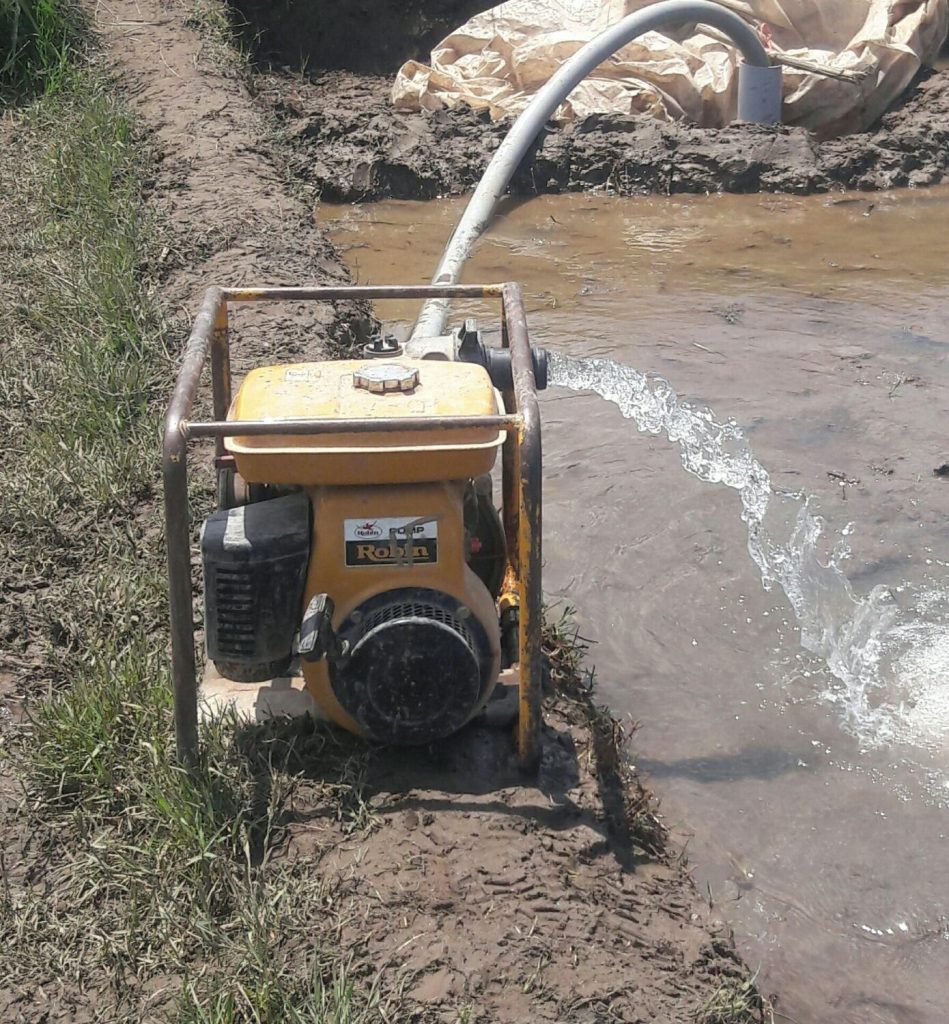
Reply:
x=521 y=475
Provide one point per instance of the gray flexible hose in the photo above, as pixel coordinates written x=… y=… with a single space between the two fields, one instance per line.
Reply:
x=434 y=314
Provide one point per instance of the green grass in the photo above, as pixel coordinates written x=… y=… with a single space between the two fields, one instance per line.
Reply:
x=90 y=351
x=161 y=888
x=263 y=995
x=37 y=39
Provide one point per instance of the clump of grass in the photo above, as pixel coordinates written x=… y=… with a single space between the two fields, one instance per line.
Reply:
x=265 y=994
x=736 y=1001
x=224 y=32
x=82 y=735
x=37 y=38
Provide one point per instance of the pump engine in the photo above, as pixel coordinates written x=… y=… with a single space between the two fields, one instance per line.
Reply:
x=356 y=541
x=377 y=557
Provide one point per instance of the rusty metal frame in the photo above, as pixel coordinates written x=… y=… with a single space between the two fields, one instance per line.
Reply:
x=521 y=462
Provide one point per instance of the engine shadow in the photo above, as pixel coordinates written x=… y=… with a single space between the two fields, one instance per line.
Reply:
x=474 y=772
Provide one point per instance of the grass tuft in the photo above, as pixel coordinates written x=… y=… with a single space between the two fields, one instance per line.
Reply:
x=265 y=995
x=223 y=31
x=37 y=41
x=736 y=1001
x=83 y=735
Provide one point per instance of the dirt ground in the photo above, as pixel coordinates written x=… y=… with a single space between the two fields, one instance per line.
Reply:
x=506 y=901
x=468 y=892
x=352 y=146
x=226 y=199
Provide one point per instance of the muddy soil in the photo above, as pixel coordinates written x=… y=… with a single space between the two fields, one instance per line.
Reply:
x=486 y=898
x=351 y=146
x=223 y=198
x=479 y=894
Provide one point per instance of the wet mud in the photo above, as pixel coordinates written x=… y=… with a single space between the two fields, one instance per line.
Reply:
x=522 y=900
x=351 y=146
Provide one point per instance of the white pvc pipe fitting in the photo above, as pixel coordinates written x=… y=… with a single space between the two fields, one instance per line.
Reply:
x=759 y=94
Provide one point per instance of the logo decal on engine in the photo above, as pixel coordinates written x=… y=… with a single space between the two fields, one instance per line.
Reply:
x=395 y=540
x=308 y=374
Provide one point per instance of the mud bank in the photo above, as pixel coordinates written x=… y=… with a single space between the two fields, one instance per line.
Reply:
x=352 y=146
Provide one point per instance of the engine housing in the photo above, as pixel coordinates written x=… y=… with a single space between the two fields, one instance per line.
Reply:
x=424 y=627
x=404 y=544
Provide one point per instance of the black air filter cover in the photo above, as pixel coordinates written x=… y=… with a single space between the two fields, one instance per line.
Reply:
x=419 y=665
x=255 y=560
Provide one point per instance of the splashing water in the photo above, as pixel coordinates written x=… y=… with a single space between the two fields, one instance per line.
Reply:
x=888 y=651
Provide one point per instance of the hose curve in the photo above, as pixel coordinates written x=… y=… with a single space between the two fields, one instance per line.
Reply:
x=434 y=314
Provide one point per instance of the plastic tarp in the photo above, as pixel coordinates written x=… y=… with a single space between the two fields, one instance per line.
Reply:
x=867 y=52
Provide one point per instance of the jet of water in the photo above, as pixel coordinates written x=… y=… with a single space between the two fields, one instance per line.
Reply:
x=890 y=662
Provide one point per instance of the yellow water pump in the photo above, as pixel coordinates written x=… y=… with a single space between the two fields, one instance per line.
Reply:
x=357 y=539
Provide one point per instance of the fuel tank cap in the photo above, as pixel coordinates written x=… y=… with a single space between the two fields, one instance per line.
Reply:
x=381 y=378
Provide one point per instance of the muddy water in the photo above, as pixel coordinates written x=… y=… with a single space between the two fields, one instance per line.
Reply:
x=819 y=831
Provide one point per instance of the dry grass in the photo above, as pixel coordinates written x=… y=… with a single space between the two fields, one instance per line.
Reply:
x=737 y=1002
x=224 y=33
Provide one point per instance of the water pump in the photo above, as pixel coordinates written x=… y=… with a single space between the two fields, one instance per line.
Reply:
x=357 y=541
x=382 y=551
